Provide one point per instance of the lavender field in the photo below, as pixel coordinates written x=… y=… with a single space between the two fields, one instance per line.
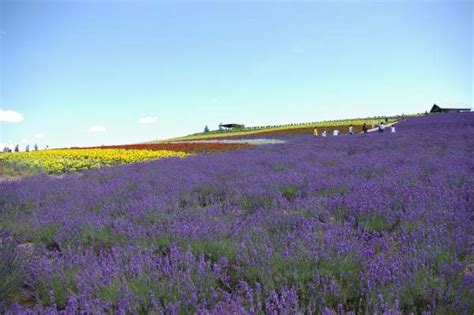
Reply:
x=377 y=223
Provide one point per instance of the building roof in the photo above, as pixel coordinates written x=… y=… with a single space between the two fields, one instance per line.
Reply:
x=231 y=125
x=439 y=108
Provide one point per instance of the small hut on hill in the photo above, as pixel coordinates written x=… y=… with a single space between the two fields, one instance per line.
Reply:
x=231 y=126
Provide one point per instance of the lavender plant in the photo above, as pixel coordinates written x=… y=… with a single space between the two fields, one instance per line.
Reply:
x=10 y=272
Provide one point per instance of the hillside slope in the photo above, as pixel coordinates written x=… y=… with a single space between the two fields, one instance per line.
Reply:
x=376 y=223
x=280 y=129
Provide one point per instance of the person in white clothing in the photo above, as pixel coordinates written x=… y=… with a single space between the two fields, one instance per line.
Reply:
x=324 y=133
x=335 y=132
x=381 y=127
x=351 y=130
x=392 y=129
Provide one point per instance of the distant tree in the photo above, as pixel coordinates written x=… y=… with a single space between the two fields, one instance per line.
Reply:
x=206 y=129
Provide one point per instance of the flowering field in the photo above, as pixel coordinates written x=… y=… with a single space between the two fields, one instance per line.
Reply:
x=70 y=160
x=377 y=223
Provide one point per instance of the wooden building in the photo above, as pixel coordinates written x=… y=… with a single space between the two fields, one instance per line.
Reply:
x=437 y=109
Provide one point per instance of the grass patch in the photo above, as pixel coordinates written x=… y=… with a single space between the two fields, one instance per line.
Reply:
x=378 y=223
x=373 y=172
x=417 y=296
x=346 y=271
x=329 y=192
x=202 y=196
x=208 y=195
x=161 y=245
x=341 y=214
x=305 y=213
x=109 y=292
x=58 y=289
x=101 y=239
x=213 y=249
x=279 y=167
x=47 y=236
x=150 y=218
x=250 y=203
x=290 y=192
x=279 y=272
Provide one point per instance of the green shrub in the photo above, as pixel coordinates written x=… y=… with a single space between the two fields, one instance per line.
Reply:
x=290 y=192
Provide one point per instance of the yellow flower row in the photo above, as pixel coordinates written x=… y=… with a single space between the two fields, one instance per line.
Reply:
x=70 y=160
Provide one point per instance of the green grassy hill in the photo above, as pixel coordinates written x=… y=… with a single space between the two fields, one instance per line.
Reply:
x=278 y=129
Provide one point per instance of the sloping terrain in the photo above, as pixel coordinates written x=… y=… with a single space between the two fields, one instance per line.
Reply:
x=302 y=128
x=364 y=223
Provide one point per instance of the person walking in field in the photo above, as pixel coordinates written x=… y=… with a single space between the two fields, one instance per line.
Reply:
x=365 y=128
x=392 y=129
x=324 y=134
x=335 y=132
x=27 y=149
x=381 y=126
x=351 y=130
x=36 y=147
x=315 y=132
x=17 y=148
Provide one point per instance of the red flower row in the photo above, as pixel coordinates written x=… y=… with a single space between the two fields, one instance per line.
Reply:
x=188 y=147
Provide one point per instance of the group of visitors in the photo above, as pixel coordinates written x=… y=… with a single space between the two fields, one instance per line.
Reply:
x=365 y=129
x=6 y=149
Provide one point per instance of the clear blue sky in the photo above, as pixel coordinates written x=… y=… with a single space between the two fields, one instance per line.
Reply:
x=71 y=68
